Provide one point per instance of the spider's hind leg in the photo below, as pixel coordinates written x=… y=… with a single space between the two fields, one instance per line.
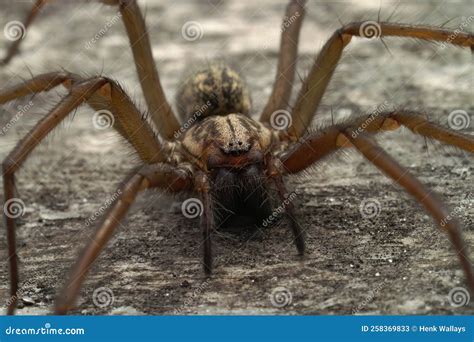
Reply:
x=160 y=110
x=317 y=81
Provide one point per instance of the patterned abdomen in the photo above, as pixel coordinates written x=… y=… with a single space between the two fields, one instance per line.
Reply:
x=215 y=90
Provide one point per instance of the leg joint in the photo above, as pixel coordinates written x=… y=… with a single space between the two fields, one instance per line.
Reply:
x=344 y=35
x=8 y=166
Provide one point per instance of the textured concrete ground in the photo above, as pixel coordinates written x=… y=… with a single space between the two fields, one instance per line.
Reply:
x=396 y=262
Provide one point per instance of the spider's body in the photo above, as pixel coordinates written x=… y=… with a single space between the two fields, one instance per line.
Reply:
x=217 y=151
x=224 y=140
x=234 y=149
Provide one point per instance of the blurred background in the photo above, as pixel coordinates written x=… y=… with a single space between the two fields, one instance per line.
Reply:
x=395 y=262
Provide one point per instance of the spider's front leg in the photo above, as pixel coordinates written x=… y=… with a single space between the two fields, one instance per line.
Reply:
x=427 y=198
x=161 y=176
x=275 y=174
x=203 y=187
x=101 y=94
x=316 y=146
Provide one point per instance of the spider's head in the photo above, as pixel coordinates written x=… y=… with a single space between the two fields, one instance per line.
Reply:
x=233 y=149
x=233 y=141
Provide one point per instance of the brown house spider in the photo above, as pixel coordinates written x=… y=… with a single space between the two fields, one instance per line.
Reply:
x=225 y=156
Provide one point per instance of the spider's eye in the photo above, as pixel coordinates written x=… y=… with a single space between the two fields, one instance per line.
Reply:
x=236 y=147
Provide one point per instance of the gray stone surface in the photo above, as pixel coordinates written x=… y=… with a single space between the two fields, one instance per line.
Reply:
x=394 y=263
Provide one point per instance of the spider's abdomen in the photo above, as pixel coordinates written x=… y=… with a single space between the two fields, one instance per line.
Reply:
x=216 y=90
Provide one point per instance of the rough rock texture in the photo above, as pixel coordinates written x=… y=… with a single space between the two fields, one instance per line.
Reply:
x=394 y=263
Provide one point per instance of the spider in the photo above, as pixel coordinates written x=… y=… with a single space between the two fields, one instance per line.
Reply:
x=225 y=157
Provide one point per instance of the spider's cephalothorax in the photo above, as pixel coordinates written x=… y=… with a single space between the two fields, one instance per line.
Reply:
x=218 y=151
x=227 y=142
